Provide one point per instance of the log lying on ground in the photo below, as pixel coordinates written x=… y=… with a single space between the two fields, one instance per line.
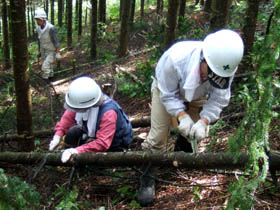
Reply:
x=137 y=158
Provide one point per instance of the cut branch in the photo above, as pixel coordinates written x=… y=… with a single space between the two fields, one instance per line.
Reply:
x=137 y=158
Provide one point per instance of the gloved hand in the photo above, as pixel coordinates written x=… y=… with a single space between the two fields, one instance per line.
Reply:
x=199 y=130
x=185 y=125
x=66 y=155
x=54 y=142
x=58 y=56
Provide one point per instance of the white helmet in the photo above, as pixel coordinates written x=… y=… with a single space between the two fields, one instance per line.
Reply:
x=83 y=93
x=223 y=51
x=40 y=14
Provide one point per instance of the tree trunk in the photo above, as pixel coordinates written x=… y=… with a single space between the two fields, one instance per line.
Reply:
x=6 y=50
x=124 y=29
x=80 y=27
x=52 y=12
x=220 y=17
x=181 y=13
x=60 y=12
x=137 y=158
x=28 y=19
x=249 y=28
x=142 y=8
x=132 y=13
x=69 y=23
x=171 y=23
x=47 y=7
x=102 y=11
x=207 y=5
x=93 y=29
x=21 y=75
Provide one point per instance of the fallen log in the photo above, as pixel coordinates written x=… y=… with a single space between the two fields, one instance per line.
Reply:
x=137 y=158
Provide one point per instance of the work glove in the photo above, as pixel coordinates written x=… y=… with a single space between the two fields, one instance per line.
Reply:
x=66 y=155
x=54 y=142
x=58 y=56
x=198 y=131
x=185 y=125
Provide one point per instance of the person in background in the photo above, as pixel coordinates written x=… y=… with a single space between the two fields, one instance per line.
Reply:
x=190 y=89
x=48 y=43
x=92 y=122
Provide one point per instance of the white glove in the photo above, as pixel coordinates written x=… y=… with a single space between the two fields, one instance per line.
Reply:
x=54 y=142
x=58 y=56
x=185 y=125
x=198 y=131
x=66 y=155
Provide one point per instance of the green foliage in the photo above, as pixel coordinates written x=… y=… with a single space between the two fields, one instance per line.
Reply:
x=68 y=200
x=17 y=194
x=140 y=87
x=253 y=133
x=126 y=192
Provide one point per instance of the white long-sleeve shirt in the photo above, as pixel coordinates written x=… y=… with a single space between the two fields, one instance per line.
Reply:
x=178 y=77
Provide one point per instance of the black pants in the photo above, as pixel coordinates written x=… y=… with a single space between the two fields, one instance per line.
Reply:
x=77 y=135
x=182 y=144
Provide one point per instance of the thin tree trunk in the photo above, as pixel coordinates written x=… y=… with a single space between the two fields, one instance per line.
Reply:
x=220 y=17
x=102 y=11
x=47 y=7
x=80 y=28
x=132 y=13
x=142 y=9
x=7 y=63
x=181 y=13
x=136 y=158
x=207 y=6
x=69 y=23
x=60 y=12
x=124 y=29
x=171 y=22
x=249 y=28
x=52 y=12
x=28 y=18
x=21 y=75
x=93 y=29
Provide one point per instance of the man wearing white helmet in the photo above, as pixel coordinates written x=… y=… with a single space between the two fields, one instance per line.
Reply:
x=92 y=122
x=192 y=85
x=48 y=43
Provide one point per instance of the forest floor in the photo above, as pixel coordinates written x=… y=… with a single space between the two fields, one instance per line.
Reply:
x=116 y=188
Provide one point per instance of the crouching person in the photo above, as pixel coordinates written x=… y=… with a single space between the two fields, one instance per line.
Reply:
x=92 y=122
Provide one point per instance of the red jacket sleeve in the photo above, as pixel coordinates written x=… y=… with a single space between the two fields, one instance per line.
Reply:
x=67 y=120
x=104 y=136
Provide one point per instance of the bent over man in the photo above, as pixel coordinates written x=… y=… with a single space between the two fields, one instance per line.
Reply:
x=192 y=85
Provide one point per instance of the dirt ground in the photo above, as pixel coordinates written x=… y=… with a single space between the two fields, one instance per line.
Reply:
x=116 y=188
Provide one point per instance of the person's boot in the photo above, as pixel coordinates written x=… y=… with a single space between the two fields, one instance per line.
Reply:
x=146 y=192
x=182 y=144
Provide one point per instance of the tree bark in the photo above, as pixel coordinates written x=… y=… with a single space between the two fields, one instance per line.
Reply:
x=181 y=13
x=69 y=23
x=124 y=29
x=171 y=23
x=137 y=158
x=102 y=11
x=132 y=13
x=52 y=12
x=249 y=28
x=142 y=9
x=93 y=33
x=60 y=12
x=21 y=75
x=7 y=63
x=220 y=13
x=80 y=21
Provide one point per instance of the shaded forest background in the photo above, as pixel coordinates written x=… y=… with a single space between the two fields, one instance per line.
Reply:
x=118 y=43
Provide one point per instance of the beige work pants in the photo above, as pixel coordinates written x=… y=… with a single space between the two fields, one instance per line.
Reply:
x=161 y=122
x=48 y=63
